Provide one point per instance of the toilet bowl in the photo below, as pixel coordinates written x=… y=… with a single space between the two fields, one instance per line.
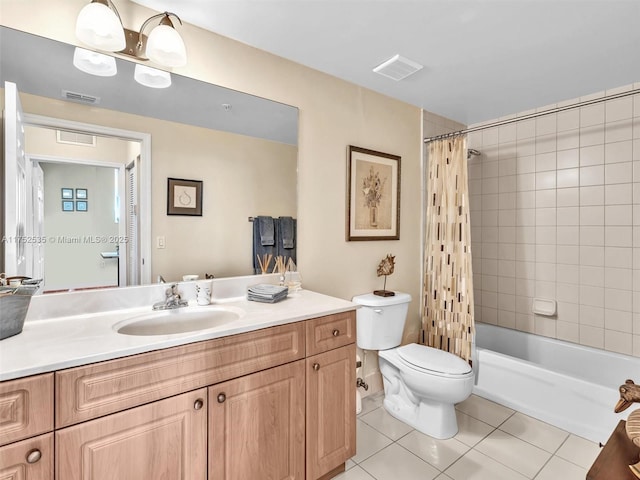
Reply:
x=421 y=384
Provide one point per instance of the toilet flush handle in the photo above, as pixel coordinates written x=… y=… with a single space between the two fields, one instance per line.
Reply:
x=378 y=310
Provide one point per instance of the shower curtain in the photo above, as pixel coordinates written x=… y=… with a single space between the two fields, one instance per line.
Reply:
x=447 y=316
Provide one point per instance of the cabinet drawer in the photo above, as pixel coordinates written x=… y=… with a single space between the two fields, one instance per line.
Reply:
x=91 y=391
x=26 y=407
x=28 y=460
x=332 y=331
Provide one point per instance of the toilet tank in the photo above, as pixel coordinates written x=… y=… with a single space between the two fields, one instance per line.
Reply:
x=380 y=320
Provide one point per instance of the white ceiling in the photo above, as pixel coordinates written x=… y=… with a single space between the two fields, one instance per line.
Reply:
x=482 y=58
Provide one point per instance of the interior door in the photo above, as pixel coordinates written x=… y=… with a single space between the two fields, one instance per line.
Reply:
x=37 y=228
x=16 y=183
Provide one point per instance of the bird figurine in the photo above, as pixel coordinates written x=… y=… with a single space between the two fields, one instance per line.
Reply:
x=629 y=394
x=386 y=267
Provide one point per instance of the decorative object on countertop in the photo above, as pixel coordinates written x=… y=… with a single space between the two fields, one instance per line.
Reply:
x=448 y=316
x=203 y=292
x=629 y=394
x=190 y=278
x=386 y=267
x=293 y=279
x=267 y=293
x=184 y=197
x=14 y=303
x=264 y=262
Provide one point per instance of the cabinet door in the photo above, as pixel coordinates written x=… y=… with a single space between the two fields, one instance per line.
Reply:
x=162 y=440
x=331 y=410
x=28 y=460
x=256 y=426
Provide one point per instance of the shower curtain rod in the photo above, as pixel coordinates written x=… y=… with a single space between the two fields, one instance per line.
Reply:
x=534 y=115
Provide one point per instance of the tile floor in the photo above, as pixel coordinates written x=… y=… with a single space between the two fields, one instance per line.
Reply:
x=493 y=443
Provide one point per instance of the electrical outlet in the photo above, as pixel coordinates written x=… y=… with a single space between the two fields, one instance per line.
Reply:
x=160 y=242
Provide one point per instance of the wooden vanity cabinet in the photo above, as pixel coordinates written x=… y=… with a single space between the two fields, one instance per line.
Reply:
x=164 y=439
x=256 y=425
x=276 y=403
x=26 y=423
x=30 y=459
x=331 y=401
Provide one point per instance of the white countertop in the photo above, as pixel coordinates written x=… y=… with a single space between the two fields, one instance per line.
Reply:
x=69 y=341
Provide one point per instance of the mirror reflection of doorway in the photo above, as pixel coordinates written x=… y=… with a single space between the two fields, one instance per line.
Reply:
x=81 y=221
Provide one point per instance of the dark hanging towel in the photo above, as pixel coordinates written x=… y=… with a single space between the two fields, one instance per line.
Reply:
x=287 y=238
x=265 y=235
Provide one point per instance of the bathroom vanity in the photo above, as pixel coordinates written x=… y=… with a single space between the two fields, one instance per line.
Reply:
x=275 y=399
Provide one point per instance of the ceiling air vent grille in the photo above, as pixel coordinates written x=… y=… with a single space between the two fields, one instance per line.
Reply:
x=76 y=138
x=397 y=68
x=80 y=97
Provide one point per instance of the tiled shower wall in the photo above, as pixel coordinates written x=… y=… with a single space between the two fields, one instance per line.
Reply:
x=555 y=212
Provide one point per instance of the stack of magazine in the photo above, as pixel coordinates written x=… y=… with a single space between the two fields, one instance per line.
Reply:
x=266 y=293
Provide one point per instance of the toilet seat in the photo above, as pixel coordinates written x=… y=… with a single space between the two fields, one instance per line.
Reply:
x=432 y=361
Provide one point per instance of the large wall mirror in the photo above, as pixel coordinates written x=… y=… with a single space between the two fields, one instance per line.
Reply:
x=100 y=150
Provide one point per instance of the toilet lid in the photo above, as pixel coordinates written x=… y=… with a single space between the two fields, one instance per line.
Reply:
x=428 y=358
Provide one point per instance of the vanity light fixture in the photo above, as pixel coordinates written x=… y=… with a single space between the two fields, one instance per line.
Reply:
x=94 y=63
x=99 y=25
x=151 y=77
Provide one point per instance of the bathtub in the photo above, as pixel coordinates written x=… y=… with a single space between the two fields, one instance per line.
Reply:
x=567 y=385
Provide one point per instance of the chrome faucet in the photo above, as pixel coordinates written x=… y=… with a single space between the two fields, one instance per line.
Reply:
x=172 y=299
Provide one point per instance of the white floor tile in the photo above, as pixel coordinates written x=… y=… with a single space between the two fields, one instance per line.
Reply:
x=439 y=453
x=368 y=441
x=471 y=430
x=371 y=402
x=349 y=464
x=534 y=431
x=485 y=410
x=355 y=473
x=579 y=451
x=557 y=468
x=516 y=454
x=442 y=476
x=386 y=424
x=476 y=466
x=394 y=463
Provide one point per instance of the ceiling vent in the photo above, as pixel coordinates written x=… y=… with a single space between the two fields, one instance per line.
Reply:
x=75 y=138
x=397 y=68
x=80 y=97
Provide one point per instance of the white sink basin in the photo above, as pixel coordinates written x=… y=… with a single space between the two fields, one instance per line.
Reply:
x=179 y=320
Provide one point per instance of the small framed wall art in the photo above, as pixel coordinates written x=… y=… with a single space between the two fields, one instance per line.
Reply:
x=67 y=206
x=81 y=206
x=184 y=197
x=67 y=193
x=81 y=194
x=373 y=195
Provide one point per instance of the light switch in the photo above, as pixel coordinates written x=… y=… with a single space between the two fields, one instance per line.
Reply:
x=160 y=242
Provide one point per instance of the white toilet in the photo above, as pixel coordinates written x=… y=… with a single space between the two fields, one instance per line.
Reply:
x=421 y=384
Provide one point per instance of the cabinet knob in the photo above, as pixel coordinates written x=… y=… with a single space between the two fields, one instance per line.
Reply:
x=336 y=332
x=316 y=366
x=221 y=397
x=34 y=455
x=198 y=404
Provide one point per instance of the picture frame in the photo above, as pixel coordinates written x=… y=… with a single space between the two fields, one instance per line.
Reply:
x=373 y=195
x=184 y=197
x=82 y=205
x=81 y=193
x=67 y=206
x=66 y=193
